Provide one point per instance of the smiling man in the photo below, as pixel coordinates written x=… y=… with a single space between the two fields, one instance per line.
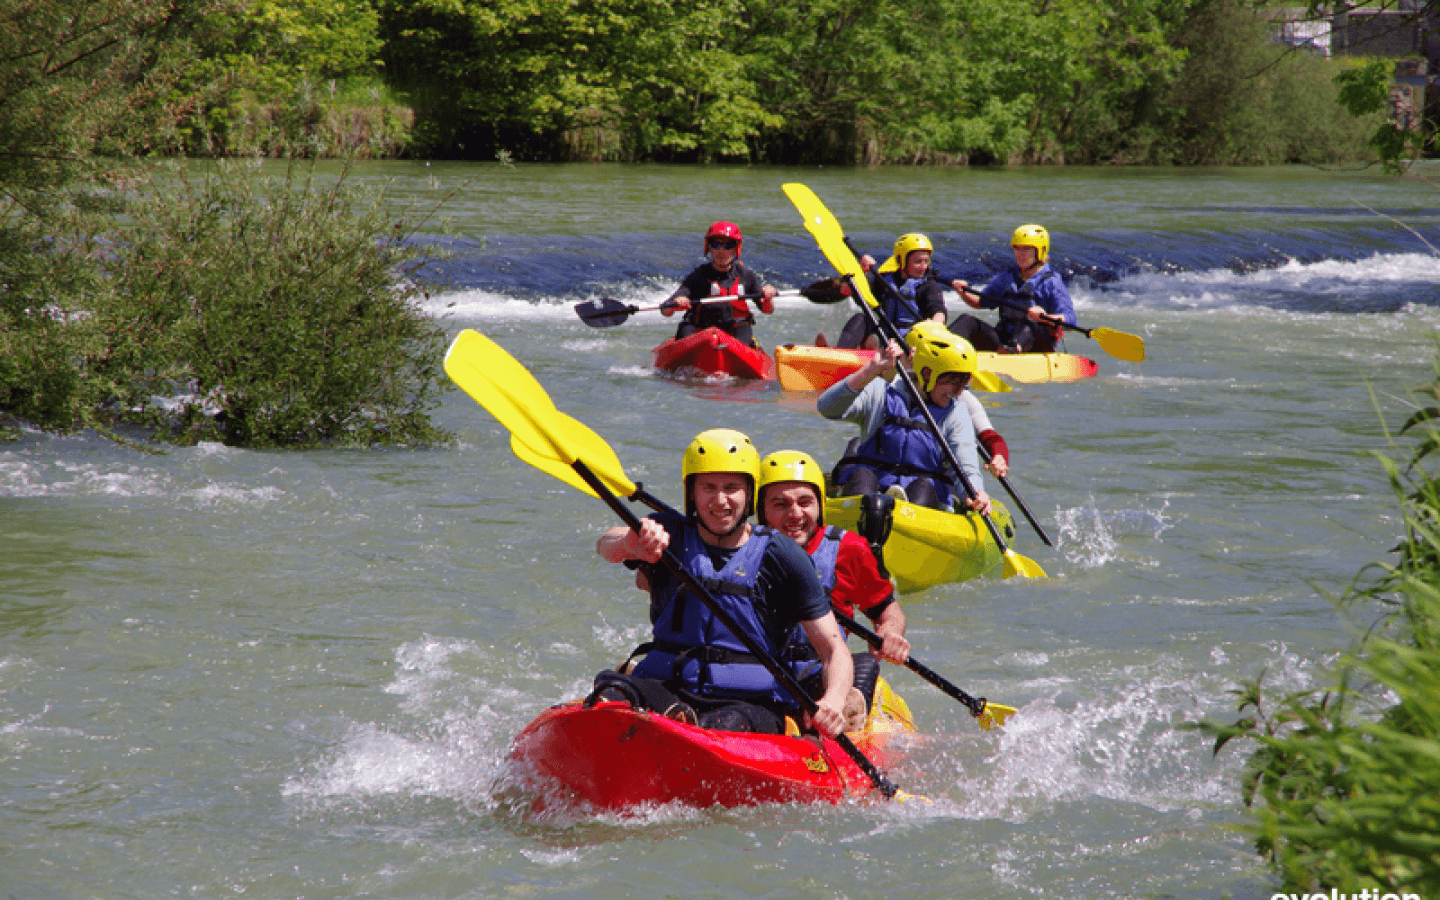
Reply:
x=791 y=498
x=694 y=665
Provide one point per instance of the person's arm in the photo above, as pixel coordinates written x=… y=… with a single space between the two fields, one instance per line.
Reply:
x=621 y=543
x=959 y=433
x=932 y=302
x=986 y=434
x=754 y=284
x=962 y=287
x=1059 y=302
x=680 y=300
x=839 y=673
x=859 y=585
x=890 y=626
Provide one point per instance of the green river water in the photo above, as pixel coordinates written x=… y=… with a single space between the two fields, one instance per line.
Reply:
x=230 y=673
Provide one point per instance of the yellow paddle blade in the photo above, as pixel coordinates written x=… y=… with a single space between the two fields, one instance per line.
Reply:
x=989 y=381
x=540 y=434
x=825 y=228
x=1015 y=564
x=592 y=449
x=1119 y=344
x=994 y=716
x=905 y=796
x=890 y=265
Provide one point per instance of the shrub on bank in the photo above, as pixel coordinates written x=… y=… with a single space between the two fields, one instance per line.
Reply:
x=1346 y=780
x=258 y=311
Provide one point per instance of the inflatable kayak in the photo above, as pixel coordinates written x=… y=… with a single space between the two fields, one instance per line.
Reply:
x=713 y=352
x=927 y=547
x=805 y=368
x=612 y=756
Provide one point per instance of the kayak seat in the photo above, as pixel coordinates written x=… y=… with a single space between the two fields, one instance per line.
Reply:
x=877 y=516
x=867 y=674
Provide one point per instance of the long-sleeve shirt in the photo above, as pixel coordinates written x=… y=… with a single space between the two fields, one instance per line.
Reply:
x=866 y=408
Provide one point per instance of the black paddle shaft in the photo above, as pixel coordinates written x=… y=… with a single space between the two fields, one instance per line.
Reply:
x=882 y=323
x=772 y=665
x=976 y=705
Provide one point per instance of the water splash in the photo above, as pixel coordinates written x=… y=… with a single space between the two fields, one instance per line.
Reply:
x=1090 y=537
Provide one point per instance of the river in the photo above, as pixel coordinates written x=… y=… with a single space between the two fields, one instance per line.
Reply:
x=296 y=674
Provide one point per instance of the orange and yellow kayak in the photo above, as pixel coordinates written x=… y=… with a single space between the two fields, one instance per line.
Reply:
x=805 y=368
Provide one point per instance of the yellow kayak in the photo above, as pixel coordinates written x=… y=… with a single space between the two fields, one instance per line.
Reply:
x=804 y=368
x=927 y=547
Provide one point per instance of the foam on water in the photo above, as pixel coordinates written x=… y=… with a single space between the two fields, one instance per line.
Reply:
x=1384 y=282
x=1118 y=744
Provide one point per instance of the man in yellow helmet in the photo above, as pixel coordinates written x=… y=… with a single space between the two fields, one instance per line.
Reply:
x=897 y=446
x=1037 y=302
x=791 y=497
x=907 y=291
x=792 y=502
x=765 y=582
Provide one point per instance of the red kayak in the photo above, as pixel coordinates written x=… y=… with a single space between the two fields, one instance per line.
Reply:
x=713 y=352
x=612 y=756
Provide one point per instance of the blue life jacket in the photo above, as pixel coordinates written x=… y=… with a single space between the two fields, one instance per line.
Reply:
x=824 y=558
x=1013 y=319
x=691 y=646
x=903 y=448
x=900 y=304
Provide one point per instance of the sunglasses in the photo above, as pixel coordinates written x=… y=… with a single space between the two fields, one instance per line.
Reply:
x=721 y=244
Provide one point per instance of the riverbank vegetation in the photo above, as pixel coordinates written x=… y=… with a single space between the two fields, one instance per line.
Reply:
x=1345 y=780
x=785 y=81
x=203 y=304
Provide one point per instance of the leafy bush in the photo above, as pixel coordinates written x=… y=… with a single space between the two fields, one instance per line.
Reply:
x=1346 y=781
x=281 y=305
x=260 y=311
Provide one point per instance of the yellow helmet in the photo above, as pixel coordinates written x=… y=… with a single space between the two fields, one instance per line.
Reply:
x=720 y=450
x=905 y=245
x=1032 y=236
x=980 y=379
x=938 y=352
x=790 y=465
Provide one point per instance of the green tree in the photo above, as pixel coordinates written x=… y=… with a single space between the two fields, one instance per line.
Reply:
x=264 y=71
x=594 y=79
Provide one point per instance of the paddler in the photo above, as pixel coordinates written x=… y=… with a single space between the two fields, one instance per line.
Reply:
x=897 y=446
x=792 y=502
x=906 y=289
x=721 y=275
x=1032 y=326
x=694 y=668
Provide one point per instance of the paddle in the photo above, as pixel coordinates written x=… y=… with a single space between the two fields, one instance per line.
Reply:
x=990 y=715
x=545 y=437
x=986 y=455
x=827 y=233
x=607 y=312
x=1119 y=344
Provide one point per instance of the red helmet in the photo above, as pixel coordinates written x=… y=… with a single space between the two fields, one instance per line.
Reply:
x=727 y=230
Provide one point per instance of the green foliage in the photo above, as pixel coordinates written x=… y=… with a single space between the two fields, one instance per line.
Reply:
x=585 y=79
x=268 y=306
x=287 y=78
x=1365 y=93
x=257 y=311
x=1346 y=782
